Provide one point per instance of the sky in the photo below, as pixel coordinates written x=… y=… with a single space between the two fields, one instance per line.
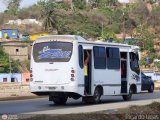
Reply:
x=24 y=3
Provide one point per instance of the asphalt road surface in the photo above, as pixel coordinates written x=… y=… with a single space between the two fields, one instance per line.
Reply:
x=42 y=104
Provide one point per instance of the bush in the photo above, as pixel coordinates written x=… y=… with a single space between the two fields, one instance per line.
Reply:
x=158 y=65
x=80 y=4
x=5 y=63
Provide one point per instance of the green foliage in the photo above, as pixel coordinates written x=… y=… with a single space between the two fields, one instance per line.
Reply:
x=13 y=6
x=152 y=56
x=80 y=4
x=5 y=63
x=158 y=65
x=64 y=6
x=145 y=36
x=153 y=19
x=143 y=62
x=151 y=1
x=47 y=14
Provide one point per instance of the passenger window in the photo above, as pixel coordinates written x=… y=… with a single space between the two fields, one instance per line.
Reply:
x=113 y=58
x=99 y=57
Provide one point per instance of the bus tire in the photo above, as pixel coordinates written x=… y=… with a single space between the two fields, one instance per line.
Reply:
x=60 y=100
x=129 y=96
x=97 y=95
x=93 y=99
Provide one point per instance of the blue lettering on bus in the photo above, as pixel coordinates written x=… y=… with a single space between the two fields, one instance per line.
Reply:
x=54 y=53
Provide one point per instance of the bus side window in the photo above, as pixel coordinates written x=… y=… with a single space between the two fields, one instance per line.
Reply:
x=113 y=58
x=80 y=53
x=99 y=57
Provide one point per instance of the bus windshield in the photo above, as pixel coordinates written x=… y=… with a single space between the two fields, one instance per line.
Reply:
x=54 y=51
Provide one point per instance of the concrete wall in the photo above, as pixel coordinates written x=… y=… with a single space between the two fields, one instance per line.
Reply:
x=25 y=78
x=17 y=50
x=36 y=35
x=10 y=77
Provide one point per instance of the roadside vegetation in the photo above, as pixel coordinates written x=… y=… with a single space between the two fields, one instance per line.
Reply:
x=98 y=19
x=7 y=65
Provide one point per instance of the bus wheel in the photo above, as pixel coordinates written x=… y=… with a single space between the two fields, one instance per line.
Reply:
x=97 y=95
x=129 y=96
x=60 y=100
x=93 y=99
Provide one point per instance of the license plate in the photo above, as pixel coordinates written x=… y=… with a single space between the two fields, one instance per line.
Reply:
x=52 y=88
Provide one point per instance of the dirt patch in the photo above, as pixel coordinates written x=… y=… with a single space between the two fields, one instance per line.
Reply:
x=147 y=112
x=157 y=85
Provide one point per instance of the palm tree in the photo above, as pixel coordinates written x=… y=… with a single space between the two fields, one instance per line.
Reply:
x=48 y=15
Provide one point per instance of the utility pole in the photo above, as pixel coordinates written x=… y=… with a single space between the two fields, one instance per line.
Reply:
x=124 y=34
x=102 y=30
x=124 y=2
x=10 y=66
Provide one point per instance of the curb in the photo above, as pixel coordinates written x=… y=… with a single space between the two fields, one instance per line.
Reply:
x=20 y=97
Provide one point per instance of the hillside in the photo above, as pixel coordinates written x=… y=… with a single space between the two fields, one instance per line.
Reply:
x=98 y=20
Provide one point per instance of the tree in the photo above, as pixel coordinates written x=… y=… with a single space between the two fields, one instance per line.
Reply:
x=47 y=14
x=145 y=36
x=12 y=6
x=5 y=63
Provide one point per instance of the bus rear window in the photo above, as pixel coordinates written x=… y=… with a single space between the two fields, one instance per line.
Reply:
x=54 y=51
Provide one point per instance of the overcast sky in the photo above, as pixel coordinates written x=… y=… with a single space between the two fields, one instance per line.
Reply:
x=25 y=3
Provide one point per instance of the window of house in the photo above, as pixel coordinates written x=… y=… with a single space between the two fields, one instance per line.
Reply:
x=99 y=57
x=113 y=58
x=13 y=33
x=4 y=79
x=27 y=80
x=17 y=50
x=12 y=79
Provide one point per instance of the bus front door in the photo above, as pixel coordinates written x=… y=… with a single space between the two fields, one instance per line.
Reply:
x=87 y=71
x=124 y=72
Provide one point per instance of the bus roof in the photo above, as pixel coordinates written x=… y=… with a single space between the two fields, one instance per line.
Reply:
x=80 y=39
x=60 y=37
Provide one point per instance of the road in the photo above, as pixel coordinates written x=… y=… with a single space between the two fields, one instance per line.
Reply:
x=42 y=104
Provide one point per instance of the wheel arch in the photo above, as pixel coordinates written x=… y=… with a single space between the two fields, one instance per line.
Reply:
x=134 y=88
x=100 y=88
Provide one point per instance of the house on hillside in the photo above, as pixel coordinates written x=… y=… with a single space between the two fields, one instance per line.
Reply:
x=10 y=77
x=34 y=36
x=24 y=37
x=25 y=77
x=0 y=34
x=17 y=50
x=10 y=33
x=24 y=22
